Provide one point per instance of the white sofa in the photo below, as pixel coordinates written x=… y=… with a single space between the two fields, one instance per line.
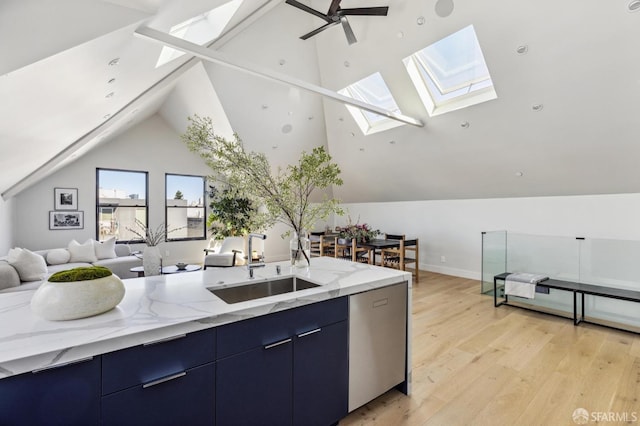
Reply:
x=14 y=276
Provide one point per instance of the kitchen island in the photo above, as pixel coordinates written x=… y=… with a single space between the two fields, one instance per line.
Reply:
x=157 y=309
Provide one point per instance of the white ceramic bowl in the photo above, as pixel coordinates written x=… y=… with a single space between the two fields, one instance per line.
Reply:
x=66 y=301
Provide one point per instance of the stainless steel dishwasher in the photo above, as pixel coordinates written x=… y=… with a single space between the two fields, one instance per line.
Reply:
x=377 y=342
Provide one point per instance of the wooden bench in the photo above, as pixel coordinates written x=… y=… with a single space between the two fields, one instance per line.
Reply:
x=577 y=289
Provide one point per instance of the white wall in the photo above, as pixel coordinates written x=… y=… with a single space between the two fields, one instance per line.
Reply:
x=452 y=228
x=6 y=225
x=151 y=146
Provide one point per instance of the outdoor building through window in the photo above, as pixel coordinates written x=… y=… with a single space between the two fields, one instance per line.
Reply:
x=372 y=90
x=121 y=199
x=451 y=73
x=185 y=209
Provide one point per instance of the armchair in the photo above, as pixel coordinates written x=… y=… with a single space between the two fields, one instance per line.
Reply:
x=230 y=253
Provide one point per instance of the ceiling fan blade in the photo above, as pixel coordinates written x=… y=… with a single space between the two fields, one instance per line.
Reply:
x=318 y=30
x=351 y=38
x=365 y=11
x=307 y=9
x=335 y=5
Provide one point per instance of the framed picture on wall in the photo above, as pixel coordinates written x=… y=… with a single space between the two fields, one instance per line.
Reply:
x=66 y=220
x=65 y=198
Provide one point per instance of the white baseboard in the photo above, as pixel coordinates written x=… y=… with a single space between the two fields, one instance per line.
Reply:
x=472 y=275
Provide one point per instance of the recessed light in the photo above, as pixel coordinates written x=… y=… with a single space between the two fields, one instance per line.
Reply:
x=420 y=20
x=400 y=34
x=537 y=107
x=392 y=142
x=274 y=146
x=341 y=119
x=310 y=117
x=106 y=116
x=282 y=62
x=634 y=6
x=519 y=174
x=361 y=149
x=464 y=124
x=114 y=61
x=287 y=128
x=347 y=64
x=353 y=135
x=522 y=50
x=290 y=113
x=265 y=106
x=111 y=81
x=109 y=95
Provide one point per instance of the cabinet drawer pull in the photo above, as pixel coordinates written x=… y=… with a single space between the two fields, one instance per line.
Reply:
x=166 y=339
x=164 y=379
x=317 y=330
x=282 y=342
x=62 y=364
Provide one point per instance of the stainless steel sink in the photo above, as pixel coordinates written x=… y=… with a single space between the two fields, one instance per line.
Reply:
x=251 y=291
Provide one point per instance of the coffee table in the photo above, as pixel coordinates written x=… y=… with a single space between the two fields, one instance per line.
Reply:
x=173 y=269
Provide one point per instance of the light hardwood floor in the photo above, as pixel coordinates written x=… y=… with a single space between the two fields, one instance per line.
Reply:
x=474 y=364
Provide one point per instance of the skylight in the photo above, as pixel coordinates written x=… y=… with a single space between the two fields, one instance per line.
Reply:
x=451 y=73
x=372 y=90
x=200 y=29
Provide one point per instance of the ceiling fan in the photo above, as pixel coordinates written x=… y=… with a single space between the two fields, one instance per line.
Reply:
x=337 y=15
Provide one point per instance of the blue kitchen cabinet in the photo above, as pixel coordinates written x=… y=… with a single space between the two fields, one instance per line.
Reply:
x=167 y=382
x=285 y=368
x=63 y=395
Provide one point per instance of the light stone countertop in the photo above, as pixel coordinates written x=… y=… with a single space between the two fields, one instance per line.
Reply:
x=164 y=306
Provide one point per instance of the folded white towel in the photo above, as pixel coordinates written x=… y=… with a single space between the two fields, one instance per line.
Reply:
x=520 y=289
x=522 y=284
x=526 y=277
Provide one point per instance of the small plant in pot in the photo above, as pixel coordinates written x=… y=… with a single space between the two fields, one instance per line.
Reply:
x=78 y=293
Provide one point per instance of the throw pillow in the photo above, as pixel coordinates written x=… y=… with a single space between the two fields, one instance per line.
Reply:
x=82 y=252
x=13 y=254
x=58 y=256
x=30 y=266
x=105 y=249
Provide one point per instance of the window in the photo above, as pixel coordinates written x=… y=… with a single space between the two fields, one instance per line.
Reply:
x=200 y=29
x=185 y=210
x=121 y=199
x=451 y=73
x=372 y=90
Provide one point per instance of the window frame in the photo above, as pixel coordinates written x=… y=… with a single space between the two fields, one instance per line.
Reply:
x=114 y=206
x=367 y=126
x=167 y=207
x=417 y=69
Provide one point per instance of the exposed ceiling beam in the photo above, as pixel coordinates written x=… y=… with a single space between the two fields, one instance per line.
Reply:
x=243 y=66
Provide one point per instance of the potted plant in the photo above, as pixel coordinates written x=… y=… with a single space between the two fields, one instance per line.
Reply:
x=360 y=232
x=151 y=258
x=285 y=194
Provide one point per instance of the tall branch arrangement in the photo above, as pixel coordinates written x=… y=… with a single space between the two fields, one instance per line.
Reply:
x=285 y=194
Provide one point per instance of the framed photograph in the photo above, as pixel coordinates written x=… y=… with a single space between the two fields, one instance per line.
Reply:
x=65 y=198
x=66 y=220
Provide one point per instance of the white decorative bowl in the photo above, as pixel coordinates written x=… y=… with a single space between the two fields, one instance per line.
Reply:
x=59 y=301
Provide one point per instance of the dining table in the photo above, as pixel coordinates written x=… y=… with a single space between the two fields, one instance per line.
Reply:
x=377 y=244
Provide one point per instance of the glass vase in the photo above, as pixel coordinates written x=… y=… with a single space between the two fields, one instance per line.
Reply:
x=151 y=261
x=300 y=249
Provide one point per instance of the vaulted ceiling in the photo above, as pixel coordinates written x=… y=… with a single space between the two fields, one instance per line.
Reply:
x=59 y=95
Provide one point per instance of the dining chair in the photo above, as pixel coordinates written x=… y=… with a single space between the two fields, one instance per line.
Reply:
x=346 y=249
x=315 y=240
x=230 y=253
x=397 y=257
x=375 y=253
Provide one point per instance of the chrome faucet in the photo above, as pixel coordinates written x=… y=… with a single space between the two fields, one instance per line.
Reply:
x=250 y=264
